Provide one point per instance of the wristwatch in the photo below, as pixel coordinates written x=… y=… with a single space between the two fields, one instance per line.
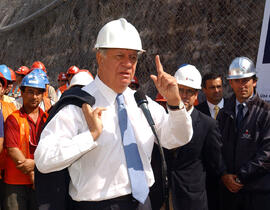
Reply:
x=180 y=106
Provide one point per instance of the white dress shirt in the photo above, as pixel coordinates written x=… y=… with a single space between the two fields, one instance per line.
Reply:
x=98 y=168
x=212 y=107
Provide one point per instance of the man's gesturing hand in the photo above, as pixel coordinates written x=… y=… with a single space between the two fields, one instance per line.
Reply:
x=93 y=119
x=166 y=85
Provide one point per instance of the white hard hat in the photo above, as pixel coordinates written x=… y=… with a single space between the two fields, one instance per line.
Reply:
x=189 y=76
x=81 y=78
x=119 y=34
x=241 y=67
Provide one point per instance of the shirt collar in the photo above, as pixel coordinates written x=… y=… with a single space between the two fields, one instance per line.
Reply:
x=220 y=104
x=245 y=102
x=191 y=110
x=108 y=93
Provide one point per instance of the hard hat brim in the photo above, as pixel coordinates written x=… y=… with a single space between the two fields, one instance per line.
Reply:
x=241 y=76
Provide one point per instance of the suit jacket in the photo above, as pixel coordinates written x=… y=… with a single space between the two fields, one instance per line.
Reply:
x=187 y=164
x=204 y=108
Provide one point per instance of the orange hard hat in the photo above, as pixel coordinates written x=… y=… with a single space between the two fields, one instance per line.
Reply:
x=38 y=65
x=73 y=70
x=23 y=70
x=4 y=80
x=159 y=97
x=62 y=76
x=12 y=74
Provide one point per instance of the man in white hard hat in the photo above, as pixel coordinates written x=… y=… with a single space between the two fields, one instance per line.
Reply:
x=188 y=164
x=107 y=148
x=245 y=127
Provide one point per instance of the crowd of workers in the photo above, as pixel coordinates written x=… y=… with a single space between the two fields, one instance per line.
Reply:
x=217 y=151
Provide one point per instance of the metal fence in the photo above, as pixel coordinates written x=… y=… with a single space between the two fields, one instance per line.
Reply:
x=205 y=33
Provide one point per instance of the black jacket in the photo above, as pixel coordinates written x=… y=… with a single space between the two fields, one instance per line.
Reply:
x=247 y=152
x=52 y=188
x=187 y=164
x=204 y=108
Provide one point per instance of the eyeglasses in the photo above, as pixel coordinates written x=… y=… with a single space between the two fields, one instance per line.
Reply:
x=30 y=92
x=188 y=92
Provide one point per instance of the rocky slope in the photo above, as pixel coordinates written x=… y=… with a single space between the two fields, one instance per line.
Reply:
x=206 y=33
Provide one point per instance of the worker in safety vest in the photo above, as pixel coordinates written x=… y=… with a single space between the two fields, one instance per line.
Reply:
x=10 y=76
x=46 y=102
x=62 y=84
x=22 y=131
x=62 y=79
x=20 y=73
x=70 y=73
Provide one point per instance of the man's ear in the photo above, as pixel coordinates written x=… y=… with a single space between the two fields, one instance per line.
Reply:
x=99 y=57
x=203 y=90
x=230 y=82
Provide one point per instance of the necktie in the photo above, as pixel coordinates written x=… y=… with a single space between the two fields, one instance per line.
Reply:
x=216 y=108
x=139 y=186
x=240 y=114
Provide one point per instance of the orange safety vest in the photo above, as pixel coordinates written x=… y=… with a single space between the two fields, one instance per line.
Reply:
x=12 y=174
x=47 y=103
x=46 y=94
x=63 y=88
x=7 y=108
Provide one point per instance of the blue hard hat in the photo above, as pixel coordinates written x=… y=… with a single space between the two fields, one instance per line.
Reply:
x=33 y=80
x=41 y=73
x=5 y=72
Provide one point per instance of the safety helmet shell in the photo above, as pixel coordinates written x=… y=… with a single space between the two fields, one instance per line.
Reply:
x=241 y=67
x=62 y=76
x=23 y=70
x=81 y=78
x=119 y=34
x=38 y=65
x=73 y=70
x=7 y=73
x=189 y=76
x=12 y=74
x=42 y=74
x=33 y=80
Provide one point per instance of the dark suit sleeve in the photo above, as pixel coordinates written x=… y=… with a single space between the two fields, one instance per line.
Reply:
x=260 y=164
x=212 y=149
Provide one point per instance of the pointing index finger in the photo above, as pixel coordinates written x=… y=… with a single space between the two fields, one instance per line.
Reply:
x=159 y=65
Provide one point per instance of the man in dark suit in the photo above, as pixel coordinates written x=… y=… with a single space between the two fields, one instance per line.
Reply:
x=187 y=164
x=213 y=90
